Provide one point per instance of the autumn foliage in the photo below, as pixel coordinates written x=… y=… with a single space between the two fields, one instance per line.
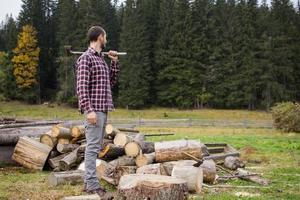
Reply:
x=26 y=58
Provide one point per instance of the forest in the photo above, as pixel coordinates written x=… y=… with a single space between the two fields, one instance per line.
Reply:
x=180 y=53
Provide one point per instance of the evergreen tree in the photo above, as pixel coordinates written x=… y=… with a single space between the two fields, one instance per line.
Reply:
x=134 y=78
x=9 y=33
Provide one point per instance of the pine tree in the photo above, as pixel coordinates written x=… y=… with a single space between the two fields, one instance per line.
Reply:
x=179 y=77
x=25 y=61
x=134 y=78
x=9 y=34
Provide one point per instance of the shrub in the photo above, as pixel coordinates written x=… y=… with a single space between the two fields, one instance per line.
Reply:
x=286 y=116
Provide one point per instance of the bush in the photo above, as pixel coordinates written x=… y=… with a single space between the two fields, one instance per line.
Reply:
x=286 y=116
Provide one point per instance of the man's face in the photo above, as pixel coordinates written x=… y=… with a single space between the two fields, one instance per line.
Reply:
x=102 y=40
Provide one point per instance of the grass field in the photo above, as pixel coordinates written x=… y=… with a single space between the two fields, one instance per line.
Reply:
x=274 y=154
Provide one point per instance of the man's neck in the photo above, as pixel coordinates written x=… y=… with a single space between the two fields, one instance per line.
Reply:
x=96 y=46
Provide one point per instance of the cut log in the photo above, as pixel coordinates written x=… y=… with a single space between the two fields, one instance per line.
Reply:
x=106 y=171
x=172 y=150
x=111 y=131
x=192 y=175
x=48 y=139
x=31 y=153
x=209 y=171
x=61 y=132
x=18 y=125
x=63 y=141
x=121 y=139
x=233 y=163
x=144 y=159
x=63 y=178
x=54 y=162
x=111 y=151
x=66 y=148
x=149 y=186
x=10 y=136
x=77 y=131
x=132 y=149
x=123 y=161
x=156 y=168
x=128 y=130
x=123 y=170
x=256 y=178
x=69 y=161
x=168 y=166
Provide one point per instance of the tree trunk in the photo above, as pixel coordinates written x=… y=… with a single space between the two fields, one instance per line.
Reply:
x=172 y=150
x=48 y=139
x=69 y=161
x=152 y=187
x=64 y=178
x=192 y=175
x=30 y=153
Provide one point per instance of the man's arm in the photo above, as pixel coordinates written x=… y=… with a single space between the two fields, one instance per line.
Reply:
x=114 y=70
x=83 y=78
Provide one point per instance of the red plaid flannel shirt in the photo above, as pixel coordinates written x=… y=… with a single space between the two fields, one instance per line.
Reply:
x=94 y=82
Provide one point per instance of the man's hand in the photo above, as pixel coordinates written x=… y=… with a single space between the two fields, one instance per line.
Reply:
x=113 y=55
x=91 y=117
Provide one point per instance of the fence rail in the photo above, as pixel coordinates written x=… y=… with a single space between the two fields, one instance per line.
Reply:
x=191 y=123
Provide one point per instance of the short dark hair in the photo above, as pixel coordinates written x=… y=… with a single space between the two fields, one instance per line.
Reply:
x=94 y=32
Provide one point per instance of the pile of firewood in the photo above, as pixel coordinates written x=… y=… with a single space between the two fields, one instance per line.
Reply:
x=137 y=167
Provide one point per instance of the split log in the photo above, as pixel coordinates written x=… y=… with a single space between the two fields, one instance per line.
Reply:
x=172 y=150
x=54 y=162
x=156 y=168
x=106 y=171
x=31 y=153
x=209 y=171
x=233 y=163
x=111 y=151
x=149 y=186
x=192 y=175
x=144 y=159
x=66 y=148
x=256 y=178
x=69 y=161
x=48 y=139
x=77 y=131
x=63 y=178
x=61 y=132
x=63 y=141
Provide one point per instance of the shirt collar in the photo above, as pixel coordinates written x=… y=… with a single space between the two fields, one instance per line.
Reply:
x=93 y=51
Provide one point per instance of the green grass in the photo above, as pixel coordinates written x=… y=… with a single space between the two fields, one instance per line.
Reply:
x=63 y=112
x=274 y=154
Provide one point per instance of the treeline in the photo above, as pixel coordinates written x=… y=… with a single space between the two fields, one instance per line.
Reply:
x=181 y=53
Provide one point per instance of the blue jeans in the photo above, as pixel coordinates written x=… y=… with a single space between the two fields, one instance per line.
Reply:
x=94 y=138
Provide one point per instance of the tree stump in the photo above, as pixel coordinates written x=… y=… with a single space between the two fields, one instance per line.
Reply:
x=152 y=187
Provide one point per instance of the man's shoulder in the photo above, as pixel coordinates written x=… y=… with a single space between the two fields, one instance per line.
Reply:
x=86 y=56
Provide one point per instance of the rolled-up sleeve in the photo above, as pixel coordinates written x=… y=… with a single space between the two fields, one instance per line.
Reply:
x=83 y=80
x=114 y=70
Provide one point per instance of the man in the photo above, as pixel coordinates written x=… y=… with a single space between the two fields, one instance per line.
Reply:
x=94 y=82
